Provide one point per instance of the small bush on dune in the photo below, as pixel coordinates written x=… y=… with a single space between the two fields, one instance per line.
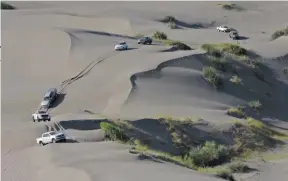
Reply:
x=239 y=167
x=114 y=132
x=180 y=46
x=210 y=74
x=6 y=6
x=231 y=7
x=168 y=19
x=236 y=80
x=225 y=48
x=210 y=154
x=159 y=35
x=256 y=105
x=172 y=25
x=219 y=63
x=225 y=174
x=236 y=112
x=279 y=33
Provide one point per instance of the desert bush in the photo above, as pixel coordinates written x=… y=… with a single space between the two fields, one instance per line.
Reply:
x=236 y=112
x=225 y=47
x=172 y=25
x=235 y=79
x=159 y=35
x=180 y=46
x=168 y=19
x=231 y=7
x=255 y=104
x=279 y=33
x=239 y=167
x=6 y=6
x=225 y=174
x=114 y=132
x=219 y=63
x=209 y=154
x=210 y=74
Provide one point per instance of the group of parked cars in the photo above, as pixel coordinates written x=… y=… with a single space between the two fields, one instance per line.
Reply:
x=124 y=46
x=232 y=32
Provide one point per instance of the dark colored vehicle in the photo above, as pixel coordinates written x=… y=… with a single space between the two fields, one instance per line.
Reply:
x=49 y=97
x=145 y=40
x=234 y=35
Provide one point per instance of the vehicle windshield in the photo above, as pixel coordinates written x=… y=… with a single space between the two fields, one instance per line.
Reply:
x=52 y=133
x=122 y=43
x=46 y=98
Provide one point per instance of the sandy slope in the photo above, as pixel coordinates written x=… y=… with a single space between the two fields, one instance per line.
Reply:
x=45 y=43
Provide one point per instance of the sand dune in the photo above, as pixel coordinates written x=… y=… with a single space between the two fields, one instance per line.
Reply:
x=47 y=44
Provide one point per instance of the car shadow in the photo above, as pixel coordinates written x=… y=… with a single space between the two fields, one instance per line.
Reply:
x=242 y=38
x=129 y=49
x=60 y=98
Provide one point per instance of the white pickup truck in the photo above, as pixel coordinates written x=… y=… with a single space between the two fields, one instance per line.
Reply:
x=41 y=115
x=51 y=137
x=223 y=29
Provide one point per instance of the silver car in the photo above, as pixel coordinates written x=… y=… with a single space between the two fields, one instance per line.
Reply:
x=49 y=97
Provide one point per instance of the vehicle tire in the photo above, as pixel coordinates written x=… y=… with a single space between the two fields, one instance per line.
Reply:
x=53 y=140
x=150 y=42
x=33 y=119
x=49 y=119
x=38 y=120
x=41 y=143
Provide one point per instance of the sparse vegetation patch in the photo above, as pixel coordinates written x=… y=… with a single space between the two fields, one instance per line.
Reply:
x=279 y=33
x=159 y=35
x=210 y=74
x=220 y=63
x=255 y=104
x=225 y=48
x=236 y=80
x=172 y=25
x=236 y=112
x=114 y=132
x=231 y=7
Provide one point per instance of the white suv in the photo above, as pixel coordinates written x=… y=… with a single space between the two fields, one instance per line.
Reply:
x=121 y=46
x=50 y=137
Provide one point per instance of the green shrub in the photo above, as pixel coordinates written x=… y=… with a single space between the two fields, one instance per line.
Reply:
x=225 y=174
x=210 y=74
x=236 y=112
x=168 y=19
x=6 y=6
x=225 y=48
x=219 y=63
x=256 y=105
x=210 y=154
x=231 y=7
x=239 y=167
x=114 y=132
x=236 y=80
x=159 y=35
x=172 y=25
x=279 y=33
x=180 y=46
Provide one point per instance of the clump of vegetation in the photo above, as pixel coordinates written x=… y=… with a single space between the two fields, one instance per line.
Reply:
x=279 y=33
x=219 y=63
x=210 y=74
x=180 y=46
x=239 y=167
x=159 y=35
x=231 y=7
x=169 y=19
x=255 y=104
x=225 y=174
x=236 y=112
x=114 y=132
x=236 y=79
x=225 y=48
x=6 y=6
x=285 y=70
x=210 y=154
x=172 y=25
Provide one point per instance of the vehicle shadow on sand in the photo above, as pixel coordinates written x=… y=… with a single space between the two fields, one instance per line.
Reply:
x=60 y=98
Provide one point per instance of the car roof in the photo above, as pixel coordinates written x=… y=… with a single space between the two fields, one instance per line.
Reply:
x=49 y=91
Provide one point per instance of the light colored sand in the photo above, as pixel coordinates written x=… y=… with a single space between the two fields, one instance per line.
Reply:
x=45 y=43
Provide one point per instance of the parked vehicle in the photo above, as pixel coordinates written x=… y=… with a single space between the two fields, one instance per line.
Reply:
x=234 y=35
x=223 y=29
x=121 y=46
x=51 y=137
x=41 y=116
x=49 y=97
x=145 y=40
